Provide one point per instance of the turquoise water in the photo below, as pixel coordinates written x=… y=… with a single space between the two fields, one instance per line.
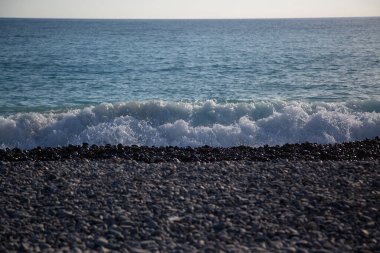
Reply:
x=188 y=82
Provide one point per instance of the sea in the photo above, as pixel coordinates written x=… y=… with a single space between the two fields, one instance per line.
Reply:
x=220 y=83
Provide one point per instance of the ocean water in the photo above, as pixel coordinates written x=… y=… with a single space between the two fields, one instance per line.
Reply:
x=188 y=82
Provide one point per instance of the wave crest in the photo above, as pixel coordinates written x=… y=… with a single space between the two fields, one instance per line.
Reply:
x=159 y=123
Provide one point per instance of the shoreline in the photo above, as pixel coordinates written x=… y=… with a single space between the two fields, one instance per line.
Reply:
x=368 y=149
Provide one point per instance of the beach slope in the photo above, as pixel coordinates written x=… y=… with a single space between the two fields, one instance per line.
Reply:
x=235 y=206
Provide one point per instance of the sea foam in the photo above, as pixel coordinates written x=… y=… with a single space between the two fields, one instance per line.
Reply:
x=159 y=123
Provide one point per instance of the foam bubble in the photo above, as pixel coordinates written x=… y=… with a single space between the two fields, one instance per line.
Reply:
x=159 y=123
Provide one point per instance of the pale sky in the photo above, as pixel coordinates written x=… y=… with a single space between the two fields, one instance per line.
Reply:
x=183 y=9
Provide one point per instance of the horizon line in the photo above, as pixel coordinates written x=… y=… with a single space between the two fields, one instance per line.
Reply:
x=262 y=18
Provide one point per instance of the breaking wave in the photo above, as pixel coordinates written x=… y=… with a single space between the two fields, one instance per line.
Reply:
x=159 y=123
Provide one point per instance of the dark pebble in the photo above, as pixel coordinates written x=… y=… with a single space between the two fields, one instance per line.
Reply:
x=352 y=151
x=115 y=204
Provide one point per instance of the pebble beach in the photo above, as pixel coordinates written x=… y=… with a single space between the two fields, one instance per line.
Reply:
x=238 y=134
x=80 y=203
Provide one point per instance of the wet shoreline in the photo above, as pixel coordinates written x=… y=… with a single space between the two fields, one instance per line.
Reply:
x=352 y=151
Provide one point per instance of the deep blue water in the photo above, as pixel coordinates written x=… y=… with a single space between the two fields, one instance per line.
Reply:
x=140 y=81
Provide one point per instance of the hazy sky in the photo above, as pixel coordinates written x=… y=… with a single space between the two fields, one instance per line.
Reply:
x=188 y=8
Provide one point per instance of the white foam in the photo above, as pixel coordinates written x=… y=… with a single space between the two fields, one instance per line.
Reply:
x=158 y=123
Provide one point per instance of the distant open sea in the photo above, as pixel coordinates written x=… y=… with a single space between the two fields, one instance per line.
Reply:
x=188 y=82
